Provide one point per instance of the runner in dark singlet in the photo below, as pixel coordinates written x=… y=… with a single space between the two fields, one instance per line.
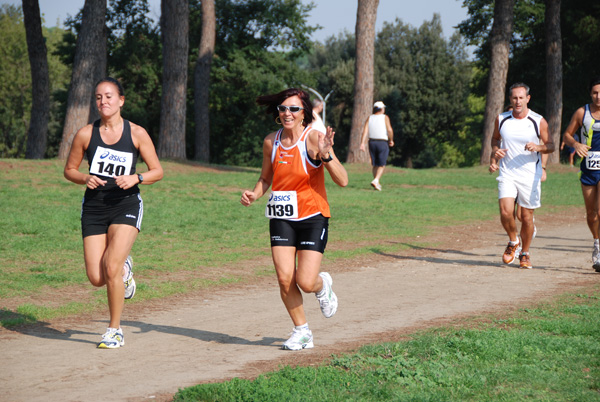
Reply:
x=112 y=208
x=587 y=120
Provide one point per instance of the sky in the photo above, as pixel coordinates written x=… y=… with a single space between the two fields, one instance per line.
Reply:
x=334 y=16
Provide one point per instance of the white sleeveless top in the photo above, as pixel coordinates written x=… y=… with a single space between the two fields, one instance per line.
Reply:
x=377 y=129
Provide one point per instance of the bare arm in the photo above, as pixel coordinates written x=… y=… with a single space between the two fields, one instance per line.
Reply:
x=266 y=174
x=497 y=152
x=365 y=136
x=143 y=142
x=78 y=148
x=390 y=132
x=547 y=146
x=568 y=136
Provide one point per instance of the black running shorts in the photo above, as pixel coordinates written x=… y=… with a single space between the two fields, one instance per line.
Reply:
x=98 y=214
x=308 y=234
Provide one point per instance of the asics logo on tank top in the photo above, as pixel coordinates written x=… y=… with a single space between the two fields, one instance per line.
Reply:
x=112 y=157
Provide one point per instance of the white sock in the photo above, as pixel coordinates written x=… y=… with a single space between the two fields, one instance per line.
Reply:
x=303 y=327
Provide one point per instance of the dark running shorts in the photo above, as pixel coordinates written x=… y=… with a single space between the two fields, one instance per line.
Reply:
x=98 y=215
x=308 y=234
x=379 y=150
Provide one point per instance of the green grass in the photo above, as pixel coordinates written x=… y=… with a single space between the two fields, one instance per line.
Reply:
x=196 y=234
x=547 y=353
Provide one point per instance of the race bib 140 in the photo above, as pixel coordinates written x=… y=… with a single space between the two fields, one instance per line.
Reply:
x=111 y=163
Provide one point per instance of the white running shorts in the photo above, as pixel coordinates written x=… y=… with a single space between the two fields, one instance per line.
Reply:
x=527 y=192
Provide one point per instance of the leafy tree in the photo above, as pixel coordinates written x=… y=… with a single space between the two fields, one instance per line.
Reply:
x=258 y=47
x=422 y=78
x=580 y=37
x=88 y=55
x=15 y=75
x=134 y=57
x=424 y=82
x=332 y=65
x=38 y=126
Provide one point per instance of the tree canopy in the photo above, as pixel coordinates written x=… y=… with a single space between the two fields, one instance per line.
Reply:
x=434 y=90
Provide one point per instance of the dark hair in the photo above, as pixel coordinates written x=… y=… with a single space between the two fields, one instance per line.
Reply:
x=272 y=101
x=593 y=82
x=377 y=109
x=114 y=82
x=519 y=85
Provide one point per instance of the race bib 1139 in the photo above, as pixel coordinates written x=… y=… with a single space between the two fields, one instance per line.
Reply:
x=282 y=205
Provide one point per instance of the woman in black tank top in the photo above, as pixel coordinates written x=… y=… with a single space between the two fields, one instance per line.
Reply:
x=112 y=208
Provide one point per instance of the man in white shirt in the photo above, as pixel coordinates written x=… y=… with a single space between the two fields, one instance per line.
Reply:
x=519 y=140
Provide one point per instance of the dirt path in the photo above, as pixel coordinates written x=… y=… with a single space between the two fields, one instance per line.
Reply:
x=238 y=332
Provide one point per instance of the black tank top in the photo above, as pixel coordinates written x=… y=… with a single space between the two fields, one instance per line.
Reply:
x=108 y=161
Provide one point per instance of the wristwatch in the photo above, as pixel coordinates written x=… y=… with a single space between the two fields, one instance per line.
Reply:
x=327 y=159
x=140 y=178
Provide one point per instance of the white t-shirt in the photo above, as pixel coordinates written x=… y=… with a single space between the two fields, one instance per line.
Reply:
x=516 y=133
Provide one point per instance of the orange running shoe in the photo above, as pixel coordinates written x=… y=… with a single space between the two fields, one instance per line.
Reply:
x=511 y=252
x=524 y=261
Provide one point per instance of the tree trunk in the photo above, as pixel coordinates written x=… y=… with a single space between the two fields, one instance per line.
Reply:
x=40 y=81
x=363 y=76
x=554 y=83
x=201 y=81
x=500 y=42
x=87 y=53
x=174 y=26
x=99 y=72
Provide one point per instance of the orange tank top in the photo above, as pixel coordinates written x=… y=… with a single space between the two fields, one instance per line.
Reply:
x=298 y=188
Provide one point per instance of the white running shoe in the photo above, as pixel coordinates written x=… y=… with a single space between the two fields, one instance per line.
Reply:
x=534 y=229
x=596 y=257
x=327 y=299
x=129 y=282
x=300 y=339
x=112 y=339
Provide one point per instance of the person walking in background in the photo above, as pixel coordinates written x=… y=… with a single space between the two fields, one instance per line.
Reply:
x=520 y=137
x=587 y=120
x=294 y=160
x=378 y=131
x=571 y=151
x=317 y=122
x=112 y=208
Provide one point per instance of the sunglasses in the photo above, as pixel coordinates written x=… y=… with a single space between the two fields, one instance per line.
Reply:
x=293 y=109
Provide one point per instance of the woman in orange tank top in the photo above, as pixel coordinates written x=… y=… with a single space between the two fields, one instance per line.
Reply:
x=294 y=159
